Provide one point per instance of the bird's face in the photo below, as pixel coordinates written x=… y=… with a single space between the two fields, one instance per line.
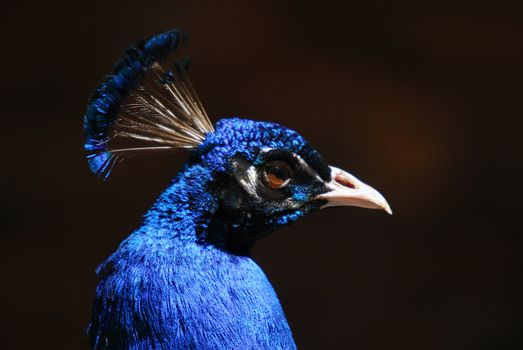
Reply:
x=267 y=176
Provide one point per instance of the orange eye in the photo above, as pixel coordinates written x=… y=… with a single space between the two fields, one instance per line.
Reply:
x=277 y=174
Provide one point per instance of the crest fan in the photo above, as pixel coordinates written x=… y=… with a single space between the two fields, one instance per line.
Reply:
x=148 y=104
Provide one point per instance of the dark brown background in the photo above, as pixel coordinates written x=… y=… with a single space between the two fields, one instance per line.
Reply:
x=421 y=99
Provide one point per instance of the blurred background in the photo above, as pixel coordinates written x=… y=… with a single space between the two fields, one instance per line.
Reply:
x=422 y=100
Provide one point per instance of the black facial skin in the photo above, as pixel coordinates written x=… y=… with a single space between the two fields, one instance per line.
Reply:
x=249 y=207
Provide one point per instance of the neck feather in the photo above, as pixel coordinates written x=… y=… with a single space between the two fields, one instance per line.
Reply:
x=165 y=287
x=183 y=208
x=192 y=210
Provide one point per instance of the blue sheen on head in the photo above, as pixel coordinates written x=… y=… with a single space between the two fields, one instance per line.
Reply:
x=246 y=137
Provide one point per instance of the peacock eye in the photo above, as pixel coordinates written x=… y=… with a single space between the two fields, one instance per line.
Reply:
x=277 y=174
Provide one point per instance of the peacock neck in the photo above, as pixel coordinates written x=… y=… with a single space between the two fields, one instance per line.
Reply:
x=190 y=211
x=170 y=279
x=183 y=208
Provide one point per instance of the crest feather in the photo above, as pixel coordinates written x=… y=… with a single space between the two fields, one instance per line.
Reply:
x=147 y=104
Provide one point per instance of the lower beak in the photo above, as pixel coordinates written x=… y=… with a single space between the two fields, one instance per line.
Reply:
x=345 y=189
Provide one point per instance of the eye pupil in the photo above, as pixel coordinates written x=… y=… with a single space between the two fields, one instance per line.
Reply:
x=277 y=174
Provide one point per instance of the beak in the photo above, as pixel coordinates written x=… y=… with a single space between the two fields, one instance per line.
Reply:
x=345 y=189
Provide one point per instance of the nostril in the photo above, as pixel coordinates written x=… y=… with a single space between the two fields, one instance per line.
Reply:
x=344 y=181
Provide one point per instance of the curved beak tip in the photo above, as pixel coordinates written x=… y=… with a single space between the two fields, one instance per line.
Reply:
x=387 y=208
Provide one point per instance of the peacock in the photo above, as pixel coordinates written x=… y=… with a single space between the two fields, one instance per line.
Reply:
x=186 y=279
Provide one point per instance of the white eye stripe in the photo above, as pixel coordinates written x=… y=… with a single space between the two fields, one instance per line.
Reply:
x=249 y=184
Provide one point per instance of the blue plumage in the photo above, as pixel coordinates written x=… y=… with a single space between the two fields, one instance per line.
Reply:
x=170 y=283
x=185 y=279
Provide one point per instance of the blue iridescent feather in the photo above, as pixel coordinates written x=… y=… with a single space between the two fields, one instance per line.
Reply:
x=185 y=278
x=171 y=285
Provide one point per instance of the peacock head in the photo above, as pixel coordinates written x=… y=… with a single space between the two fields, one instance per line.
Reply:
x=267 y=175
x=260 y=175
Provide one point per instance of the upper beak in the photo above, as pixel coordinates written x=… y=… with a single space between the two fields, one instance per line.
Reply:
x=345 y=189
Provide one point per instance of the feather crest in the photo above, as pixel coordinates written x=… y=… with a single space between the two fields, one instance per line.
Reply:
x=147 y=104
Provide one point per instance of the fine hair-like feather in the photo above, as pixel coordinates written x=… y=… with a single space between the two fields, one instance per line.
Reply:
x=147 y=104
